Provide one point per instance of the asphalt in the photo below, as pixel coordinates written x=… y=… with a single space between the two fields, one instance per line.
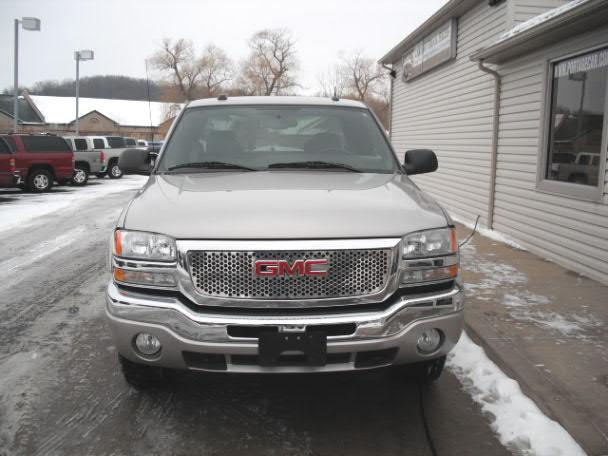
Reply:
x=545 y=326
x=61 y=392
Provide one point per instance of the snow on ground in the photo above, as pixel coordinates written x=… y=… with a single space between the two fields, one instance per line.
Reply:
x=522 y=304
x=519 y=423
x=23 y=208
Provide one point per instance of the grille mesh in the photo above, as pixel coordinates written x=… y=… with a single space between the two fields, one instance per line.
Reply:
x=232 y=274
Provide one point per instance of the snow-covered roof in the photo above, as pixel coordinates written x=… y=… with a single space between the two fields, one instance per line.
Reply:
x=574 y=17
x=62 y=110
x=537 y=20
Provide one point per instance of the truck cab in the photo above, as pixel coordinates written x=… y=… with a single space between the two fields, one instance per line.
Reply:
x=282 y=235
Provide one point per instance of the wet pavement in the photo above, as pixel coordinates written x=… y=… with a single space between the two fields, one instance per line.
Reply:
x=61 y=392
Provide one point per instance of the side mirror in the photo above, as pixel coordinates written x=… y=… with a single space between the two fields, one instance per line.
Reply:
x=134 y=161
x=419 y=161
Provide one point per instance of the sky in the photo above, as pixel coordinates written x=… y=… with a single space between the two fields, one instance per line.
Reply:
x=123 y=33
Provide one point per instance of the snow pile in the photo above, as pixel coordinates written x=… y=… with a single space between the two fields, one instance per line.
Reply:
x=519 y=423
x=537 y=20
x=24 y=208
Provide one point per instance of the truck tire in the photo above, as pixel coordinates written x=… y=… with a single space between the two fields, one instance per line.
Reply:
x=81 y=176
x=39 y=180
x=114 y=171
x=142 y=376
x=425 y=372
x=100 y=175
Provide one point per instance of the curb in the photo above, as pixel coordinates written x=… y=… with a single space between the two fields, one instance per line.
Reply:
x=555 y=402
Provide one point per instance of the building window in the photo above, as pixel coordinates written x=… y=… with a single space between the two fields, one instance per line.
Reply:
x=576 y=144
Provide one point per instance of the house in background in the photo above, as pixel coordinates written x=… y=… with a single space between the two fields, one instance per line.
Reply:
x=99 y=116
x=512 y=96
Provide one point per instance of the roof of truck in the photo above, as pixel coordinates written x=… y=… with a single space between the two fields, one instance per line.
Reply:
x=278 y=100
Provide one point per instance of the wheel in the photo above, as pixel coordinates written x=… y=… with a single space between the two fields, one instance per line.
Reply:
x=100 y=175
x=114 y=171
x=142 y=376
x=39 y=180
x=81 y=176
x=425 y=372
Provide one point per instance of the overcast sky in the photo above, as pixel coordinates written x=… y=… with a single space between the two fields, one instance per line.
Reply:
x=124 y=32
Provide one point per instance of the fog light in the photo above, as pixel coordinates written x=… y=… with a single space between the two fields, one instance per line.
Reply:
x=147 y=344
x=429 y=341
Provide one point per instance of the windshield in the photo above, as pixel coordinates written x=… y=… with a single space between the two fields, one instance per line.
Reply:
x=278 y=137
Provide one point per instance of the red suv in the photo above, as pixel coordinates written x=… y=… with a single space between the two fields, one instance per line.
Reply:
x=33 y=162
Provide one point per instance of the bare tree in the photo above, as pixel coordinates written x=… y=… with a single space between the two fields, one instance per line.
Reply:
x=334 y=82
x=216 y=70
x=364 y=74
x=271 y=64
x=177 y=60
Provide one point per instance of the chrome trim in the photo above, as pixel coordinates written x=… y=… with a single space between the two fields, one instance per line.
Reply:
x=187 y=288
x=313 y=244
x=171 y=313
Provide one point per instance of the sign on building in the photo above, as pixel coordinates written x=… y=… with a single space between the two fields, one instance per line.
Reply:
x=434 y=49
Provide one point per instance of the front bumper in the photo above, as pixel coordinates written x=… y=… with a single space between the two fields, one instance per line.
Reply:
x=204 y=339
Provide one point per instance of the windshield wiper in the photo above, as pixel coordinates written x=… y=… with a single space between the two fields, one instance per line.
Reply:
x=210 y=165
x=314 y=164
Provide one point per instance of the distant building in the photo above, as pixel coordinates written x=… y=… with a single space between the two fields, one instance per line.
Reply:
x=513 y=97
x=98 y=116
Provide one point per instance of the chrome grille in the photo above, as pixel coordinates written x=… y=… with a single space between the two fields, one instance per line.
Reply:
x=232 y=274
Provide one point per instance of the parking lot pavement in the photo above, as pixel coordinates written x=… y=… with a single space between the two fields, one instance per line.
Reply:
x=61 y=392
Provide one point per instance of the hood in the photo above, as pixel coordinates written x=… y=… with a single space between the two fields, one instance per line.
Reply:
x=282 y=205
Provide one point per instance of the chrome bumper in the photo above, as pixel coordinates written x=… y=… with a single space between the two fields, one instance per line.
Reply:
x=182 y=330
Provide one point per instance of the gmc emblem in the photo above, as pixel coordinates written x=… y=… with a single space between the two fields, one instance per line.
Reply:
x=282 y=268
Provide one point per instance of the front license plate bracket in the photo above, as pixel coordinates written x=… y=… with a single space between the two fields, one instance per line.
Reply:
x=313 y=345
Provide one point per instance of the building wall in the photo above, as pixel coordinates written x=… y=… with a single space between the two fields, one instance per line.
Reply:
x=569 y=231
x=449 y=110
x=6 y=122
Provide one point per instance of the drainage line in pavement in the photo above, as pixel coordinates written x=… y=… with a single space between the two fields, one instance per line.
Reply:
x=427 y=430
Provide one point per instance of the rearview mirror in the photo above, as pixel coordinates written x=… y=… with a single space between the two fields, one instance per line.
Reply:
x=135 y=161
x=419 y=161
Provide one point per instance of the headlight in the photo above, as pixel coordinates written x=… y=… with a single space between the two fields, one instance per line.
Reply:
x=429 y=256
x=144 y=246
x=424 y=244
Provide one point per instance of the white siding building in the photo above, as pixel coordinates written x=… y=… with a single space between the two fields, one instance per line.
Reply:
x=513 y=98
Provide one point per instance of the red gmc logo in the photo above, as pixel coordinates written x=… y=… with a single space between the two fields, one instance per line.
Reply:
x=281 y=268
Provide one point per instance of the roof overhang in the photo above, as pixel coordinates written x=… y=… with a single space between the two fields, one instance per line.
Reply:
x=453 y=8
x=582 y=18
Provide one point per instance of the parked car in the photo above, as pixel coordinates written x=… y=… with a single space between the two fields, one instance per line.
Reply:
x=584 y=169
x=155 y=146
x=112 y=147
x=88 y=160
x=130 y=142
x=142 y=143
x=291 y=240
x=35 y=161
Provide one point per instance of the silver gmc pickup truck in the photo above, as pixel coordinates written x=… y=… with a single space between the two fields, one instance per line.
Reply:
x=282 y=235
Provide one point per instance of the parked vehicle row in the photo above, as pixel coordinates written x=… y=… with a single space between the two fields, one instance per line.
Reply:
x=34 y=162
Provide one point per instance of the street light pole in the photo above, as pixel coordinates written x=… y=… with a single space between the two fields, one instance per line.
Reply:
x=28 y=23
x=78 y=56
x=16 y=82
